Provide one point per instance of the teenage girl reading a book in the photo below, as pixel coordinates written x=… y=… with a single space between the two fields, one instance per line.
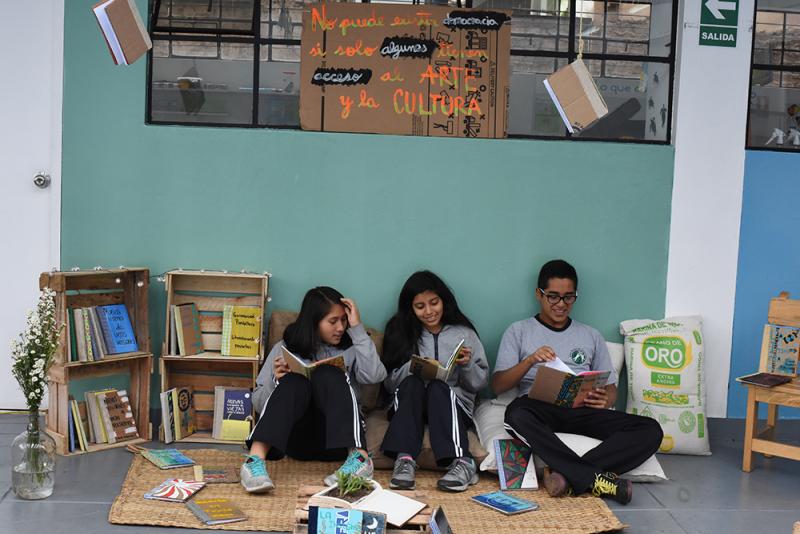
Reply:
x=317 y=418
x=429 y=323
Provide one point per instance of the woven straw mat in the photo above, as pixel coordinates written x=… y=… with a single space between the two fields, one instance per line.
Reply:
x=275 y=511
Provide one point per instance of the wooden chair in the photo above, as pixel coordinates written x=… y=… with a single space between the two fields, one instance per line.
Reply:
x=786 y=312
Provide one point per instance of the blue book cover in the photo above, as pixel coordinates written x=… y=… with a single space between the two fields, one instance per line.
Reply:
x=117 y=329
x=71 y=424
x=238 y=405
x=341 y=521
x=503 y=502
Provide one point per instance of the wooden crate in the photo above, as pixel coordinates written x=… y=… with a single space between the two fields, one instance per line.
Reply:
x=210 y=292
x=97 y=288
x=415 y=525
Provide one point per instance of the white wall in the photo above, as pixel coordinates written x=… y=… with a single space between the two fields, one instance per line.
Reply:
x=710 y=120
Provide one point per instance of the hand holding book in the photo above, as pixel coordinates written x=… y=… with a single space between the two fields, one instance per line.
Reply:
x=464 y=356
x=280 y=367
x=596 y=398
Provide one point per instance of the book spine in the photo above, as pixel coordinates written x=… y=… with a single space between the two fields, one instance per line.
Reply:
x=227 y=330
x=105 y=328
x=501 y=472
x=179 y=330
x=80 y=339
x=176 y=414
x=165 y=417
x=71 y=425
x=97 y=334
x=87 y=335
x=73 y=342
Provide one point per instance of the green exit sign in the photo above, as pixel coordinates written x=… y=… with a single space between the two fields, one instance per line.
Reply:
x=718 y=22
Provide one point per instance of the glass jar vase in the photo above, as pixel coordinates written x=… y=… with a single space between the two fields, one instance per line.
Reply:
x=33 y=461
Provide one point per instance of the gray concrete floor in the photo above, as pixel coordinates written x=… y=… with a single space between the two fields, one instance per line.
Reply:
x=705 y=494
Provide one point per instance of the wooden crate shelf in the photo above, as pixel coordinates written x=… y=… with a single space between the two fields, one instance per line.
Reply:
x=97 y=288
x=210 y=292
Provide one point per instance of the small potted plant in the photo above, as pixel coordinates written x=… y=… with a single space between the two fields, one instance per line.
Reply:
x=346 y=493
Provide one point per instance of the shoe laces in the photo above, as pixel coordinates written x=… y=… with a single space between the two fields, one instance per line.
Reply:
x=352 y=464
x=405 y=466
x=603 y=486
x=256 y=466
x=460 y=468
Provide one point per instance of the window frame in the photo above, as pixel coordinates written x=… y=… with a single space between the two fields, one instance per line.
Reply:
x=762 y=66
x=254 y=37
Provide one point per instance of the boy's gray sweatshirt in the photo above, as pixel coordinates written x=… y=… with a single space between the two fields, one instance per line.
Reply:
x=465 y=380
x=364 y=366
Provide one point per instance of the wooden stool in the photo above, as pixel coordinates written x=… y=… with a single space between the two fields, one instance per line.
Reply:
x=786 y=312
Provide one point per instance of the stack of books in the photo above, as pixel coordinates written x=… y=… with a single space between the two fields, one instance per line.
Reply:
x=104 y=417
x=179 y=417
x=100 y=332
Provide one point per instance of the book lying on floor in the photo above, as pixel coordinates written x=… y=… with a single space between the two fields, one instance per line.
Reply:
x=343 y=521
x=217 y=474
x=764 y=380
x=438 y=523
x=515 y=467
x=175 y=490
x=503 y=502
x=558 y=384
x=216 y=511
x=163 y=458
x=297 y=365
x=430 y=368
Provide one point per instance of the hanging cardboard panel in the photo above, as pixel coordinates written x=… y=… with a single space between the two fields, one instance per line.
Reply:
x=405 y=69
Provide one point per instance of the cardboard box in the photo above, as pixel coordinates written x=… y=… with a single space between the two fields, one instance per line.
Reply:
x=576 y=96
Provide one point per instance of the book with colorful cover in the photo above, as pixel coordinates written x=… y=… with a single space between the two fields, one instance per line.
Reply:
x=438 y=523
x=343 y=521
x=97 y=334
x=185 y=415
x=232 y=405
x=503 y=502
x=175 y=490
x=781 y=347
x=299 y=366
x=79 y=426
x=216 y=511
x=117 y=329
x=430 y=368
x=87 y=335
x=167 y=458
x=241 y=330
x=515 y=467
x=187 y=321
x=558 y=384
x=117 y=416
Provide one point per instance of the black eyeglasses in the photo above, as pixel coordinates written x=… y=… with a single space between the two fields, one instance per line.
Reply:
x=553 y=298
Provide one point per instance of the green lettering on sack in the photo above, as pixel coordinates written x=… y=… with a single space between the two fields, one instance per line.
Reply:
x=670 y=380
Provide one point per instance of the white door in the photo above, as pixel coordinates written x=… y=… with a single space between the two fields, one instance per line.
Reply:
x=31 y=60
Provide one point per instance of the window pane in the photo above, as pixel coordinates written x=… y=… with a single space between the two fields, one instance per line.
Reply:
x=211 y=14
x=279 y=92
x=624 y=27
x=637 y=96
x=281 y=19
x=774 y=105
x=535 y=24
x=193 y=89
x=530 y=110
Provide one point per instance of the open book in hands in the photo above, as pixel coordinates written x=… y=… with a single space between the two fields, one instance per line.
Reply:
x=297 y=365
x=558 y=384
x=429 y=368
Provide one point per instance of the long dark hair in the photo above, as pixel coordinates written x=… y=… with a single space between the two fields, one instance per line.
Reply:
x=302 y=336
x=403 y=330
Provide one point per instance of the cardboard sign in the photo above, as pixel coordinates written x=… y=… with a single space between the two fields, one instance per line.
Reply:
x=405 y=69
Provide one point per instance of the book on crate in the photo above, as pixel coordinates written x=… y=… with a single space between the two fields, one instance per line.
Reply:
x=77 y=426
x=168 y=415
x=241 y=331
x=100 y=332
x=557 y=384
x=178 y=413
x=515 y=467
x=780 y=345
x=109 y=416
x=299 y=366
x=175 y=490
x=124 y=32
x=216 y=511
x=430 y=368
x=186 y=323
x=764 y=380
x=505 y=503
x=233 y=409
x=340 y=520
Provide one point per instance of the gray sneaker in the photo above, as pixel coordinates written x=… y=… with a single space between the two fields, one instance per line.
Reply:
x=355 y=464
x=405 y=470
x=255 y=478
x=461 y=474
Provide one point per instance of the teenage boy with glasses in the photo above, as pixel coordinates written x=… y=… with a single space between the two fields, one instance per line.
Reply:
x=627 y=440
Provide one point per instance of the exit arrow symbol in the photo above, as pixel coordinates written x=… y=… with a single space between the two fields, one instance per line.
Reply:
x=716 y=6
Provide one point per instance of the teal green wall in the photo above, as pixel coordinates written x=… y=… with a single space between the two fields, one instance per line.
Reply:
x=358 y=212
